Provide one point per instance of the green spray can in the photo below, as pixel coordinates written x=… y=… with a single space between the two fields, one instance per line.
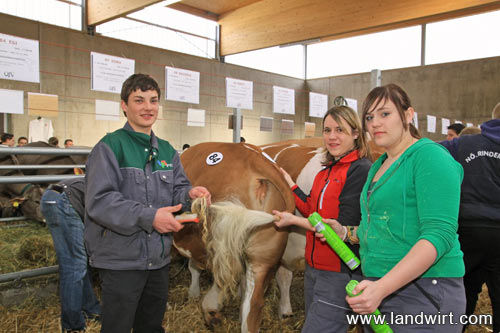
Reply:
x=377 y=328
x=337 y=244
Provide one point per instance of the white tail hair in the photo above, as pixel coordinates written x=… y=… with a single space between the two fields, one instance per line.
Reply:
x=225 y=235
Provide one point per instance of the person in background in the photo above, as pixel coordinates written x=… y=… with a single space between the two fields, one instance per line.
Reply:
x=62 y=207
x=185 y=146
x=68 y=143
x=8 y=140
x=471 y=130
x=335 y=196
x=479 y=217
x=242 y=139
x=53 y=141
x=410 y=254
x=134 y=183
x=22 y=141
x=454 y=130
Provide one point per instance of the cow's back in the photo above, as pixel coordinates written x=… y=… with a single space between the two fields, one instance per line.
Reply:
x=243 y=173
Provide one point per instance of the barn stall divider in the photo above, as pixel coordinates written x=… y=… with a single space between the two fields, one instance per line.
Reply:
x=36 y=179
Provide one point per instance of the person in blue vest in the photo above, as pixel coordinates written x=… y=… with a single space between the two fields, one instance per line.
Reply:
x=479 y=215
x=135 y=182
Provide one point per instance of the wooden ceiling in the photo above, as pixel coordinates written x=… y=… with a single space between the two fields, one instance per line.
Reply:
x=254 y=24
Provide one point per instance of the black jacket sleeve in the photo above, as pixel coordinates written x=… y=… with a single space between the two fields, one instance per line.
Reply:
x=349 y=211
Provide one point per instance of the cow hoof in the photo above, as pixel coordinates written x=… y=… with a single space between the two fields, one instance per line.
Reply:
x=213 y=318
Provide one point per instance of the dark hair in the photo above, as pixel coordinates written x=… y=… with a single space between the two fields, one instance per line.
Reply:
x=242 y=139
x=351 y=118
x=53 y=141
x=138 y=81
x=66 y=141
x=185 y=146
x=22 y=137
x=6 y=136
x=396 y=95
x=457 y=127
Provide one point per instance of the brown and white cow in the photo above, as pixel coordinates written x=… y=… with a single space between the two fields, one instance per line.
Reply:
x=237 y=171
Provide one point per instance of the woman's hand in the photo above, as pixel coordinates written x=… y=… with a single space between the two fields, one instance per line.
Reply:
x=199 y=192
x=288 y=179
x=285 y=219
x=369 y=300
x=336 y=226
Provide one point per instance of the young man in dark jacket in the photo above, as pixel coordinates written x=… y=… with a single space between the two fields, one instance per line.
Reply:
x=479 y=217
x=135 y=181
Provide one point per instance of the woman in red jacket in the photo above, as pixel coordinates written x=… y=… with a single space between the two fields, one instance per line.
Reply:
x=334 y=195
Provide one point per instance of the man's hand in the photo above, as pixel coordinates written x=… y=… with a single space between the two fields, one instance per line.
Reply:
x=200 y=192
x=165 y=222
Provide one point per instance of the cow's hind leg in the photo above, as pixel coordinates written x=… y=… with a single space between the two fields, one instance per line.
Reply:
x=256 y=281
x=284 y=280
x=211 y=306
x=194 y=288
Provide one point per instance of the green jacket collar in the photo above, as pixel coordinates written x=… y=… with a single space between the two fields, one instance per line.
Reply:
x=148 y=140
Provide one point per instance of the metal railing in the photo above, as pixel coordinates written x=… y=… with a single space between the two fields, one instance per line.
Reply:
x=36 y=179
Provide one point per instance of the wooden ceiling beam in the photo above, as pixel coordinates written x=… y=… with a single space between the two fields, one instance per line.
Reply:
x=275 y=22
x=99 y=11
x=194 y=11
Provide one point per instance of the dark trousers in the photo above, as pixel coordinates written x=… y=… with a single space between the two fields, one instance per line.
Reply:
x=481 y=248
x=134 y=300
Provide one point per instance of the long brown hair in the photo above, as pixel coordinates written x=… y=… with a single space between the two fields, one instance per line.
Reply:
x=394 y=93
x=351 y=118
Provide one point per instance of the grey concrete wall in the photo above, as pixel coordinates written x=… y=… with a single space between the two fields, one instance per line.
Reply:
x=65 y=71
x=465 y=90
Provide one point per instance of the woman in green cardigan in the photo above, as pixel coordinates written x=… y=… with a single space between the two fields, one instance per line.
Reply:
x=410 y=254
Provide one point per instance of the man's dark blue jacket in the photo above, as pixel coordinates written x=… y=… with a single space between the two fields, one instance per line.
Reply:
x=479 y=155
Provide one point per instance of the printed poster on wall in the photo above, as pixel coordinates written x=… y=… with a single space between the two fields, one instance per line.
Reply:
x=109 y=72
x=196 y=117
x=286 y=126
x=19 y=59
x=444 y=125
x=415 y=119
x=239 y=94
x=283 y=100
x=266 y=124
x=431 y=124
x=107 y=110
x=352 y=103
x=12 y=101
x=182 y=85
x=318 y=104
x=309 y=129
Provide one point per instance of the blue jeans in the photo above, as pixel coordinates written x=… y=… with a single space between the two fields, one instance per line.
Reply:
x=75 y=287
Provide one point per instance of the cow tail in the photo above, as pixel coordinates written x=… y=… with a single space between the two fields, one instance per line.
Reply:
x=225 y=240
